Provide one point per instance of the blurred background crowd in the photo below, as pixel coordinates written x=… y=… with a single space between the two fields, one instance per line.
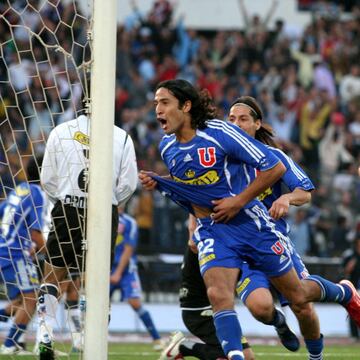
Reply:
x=308 y=85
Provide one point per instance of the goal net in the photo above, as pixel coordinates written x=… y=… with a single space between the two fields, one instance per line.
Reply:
x=46 y=56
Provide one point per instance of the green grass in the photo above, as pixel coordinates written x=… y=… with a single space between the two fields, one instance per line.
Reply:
x=145 y=352
x=136 y=351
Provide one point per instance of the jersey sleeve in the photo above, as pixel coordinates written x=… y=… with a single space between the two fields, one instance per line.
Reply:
x=240 y=146
x=295 y=176
x=128 y=175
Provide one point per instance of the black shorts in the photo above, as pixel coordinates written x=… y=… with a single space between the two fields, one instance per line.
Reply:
x=201 y=324
x=64 y=244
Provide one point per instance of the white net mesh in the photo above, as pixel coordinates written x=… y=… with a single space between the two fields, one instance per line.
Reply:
x=45 y=54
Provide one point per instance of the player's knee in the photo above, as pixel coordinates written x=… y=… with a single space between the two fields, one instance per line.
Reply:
x=262 y=311
x=303 y=310
x=297 y=296
x=220 y=298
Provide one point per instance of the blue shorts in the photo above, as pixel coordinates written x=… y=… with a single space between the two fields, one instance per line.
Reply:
x=252 y=237
x=129 y=286
x=252 y=279
x=19 y=276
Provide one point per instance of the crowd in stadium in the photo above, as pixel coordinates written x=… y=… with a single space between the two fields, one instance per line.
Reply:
x=308 y=86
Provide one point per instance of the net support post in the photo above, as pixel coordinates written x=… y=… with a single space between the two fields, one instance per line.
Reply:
x=100 y=179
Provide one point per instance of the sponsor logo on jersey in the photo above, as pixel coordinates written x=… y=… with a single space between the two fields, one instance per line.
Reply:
x=242 y=285
x=206 y=259
x=266 y=192
x=188 y=158
x=210 y=177
x=207 y=156
x=82 y=138
x=74 y=200
x=190 y=173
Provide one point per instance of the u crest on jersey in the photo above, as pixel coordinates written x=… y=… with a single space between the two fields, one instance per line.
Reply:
x=207 y=156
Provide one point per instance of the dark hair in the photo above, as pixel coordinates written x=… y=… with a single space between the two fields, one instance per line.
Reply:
x=265 y=133
x=33 y=169
x=202 y=107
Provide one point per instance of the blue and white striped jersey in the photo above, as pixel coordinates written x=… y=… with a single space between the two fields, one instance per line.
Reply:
x=128 y=234
x=294 y=177
x=24 y=210
x=215 y=161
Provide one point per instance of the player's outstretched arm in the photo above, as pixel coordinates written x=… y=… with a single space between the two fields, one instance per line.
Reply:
x=280 y=207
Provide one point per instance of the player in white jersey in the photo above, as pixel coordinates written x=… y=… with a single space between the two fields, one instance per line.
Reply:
x=64 y=178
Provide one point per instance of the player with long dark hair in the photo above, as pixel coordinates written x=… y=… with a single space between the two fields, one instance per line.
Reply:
x=233 y=226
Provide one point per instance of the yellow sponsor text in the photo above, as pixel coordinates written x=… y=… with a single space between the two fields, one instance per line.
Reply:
x=241 y=286
x=210 y=177
x=207 y=259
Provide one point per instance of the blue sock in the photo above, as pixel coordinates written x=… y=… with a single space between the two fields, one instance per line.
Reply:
x=229 y=332
x=14 y=333
x=315 y=348
x=331 y=292
x=145 y=317
x=4 y=316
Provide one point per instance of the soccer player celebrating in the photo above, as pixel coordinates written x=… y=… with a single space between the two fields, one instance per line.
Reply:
x=253 y=288
x=21 y=221
x=124 y=274
x=63 y=177
x=233 y=226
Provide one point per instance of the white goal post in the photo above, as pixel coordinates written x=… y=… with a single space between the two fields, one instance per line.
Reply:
x=100 y=179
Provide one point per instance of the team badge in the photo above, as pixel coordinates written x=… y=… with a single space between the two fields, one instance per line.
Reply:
x=190 y=173
x=82 y=138
x=207 y=157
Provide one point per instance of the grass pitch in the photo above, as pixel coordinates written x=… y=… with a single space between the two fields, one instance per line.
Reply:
x=136 y=351
x=268 y=352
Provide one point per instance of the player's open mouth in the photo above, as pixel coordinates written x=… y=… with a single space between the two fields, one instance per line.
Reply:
x=162 y=122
